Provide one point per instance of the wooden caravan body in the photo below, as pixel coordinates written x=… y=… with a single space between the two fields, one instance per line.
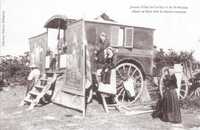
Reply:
x=133 y=56
x=136 y=42
x=133 y=44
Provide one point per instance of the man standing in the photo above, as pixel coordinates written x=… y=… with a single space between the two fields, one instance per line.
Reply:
x=99 y=51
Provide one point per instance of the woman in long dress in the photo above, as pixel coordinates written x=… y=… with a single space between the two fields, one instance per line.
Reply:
x=168 y=108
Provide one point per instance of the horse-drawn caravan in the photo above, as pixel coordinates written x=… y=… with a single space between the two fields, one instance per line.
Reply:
x=79 y=41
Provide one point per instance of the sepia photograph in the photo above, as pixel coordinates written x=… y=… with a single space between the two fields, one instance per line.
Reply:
x=99 y=65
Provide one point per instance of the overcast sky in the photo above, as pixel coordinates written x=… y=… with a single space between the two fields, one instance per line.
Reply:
x=26 y=18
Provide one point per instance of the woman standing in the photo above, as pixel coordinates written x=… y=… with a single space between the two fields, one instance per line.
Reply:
x=168 y=108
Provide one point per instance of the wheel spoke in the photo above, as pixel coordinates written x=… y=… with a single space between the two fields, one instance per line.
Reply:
x=129 y=70
x=181 y=96
x=124 y=68
x=120 y=83
x=120 y=74
x=138 y=77
x=133 y=73
x=119 y=87
x=182 y=90
x=123 y=96
x=120 y=91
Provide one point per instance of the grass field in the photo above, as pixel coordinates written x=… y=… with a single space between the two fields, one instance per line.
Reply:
x=54 y=117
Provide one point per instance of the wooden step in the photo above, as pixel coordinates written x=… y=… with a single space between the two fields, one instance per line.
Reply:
x=39 y=86
x=43 y=79
x=34 y=93
x=28 y=100
x=39 y=90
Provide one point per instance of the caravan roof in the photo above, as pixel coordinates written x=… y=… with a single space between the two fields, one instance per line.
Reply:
x=61 y=21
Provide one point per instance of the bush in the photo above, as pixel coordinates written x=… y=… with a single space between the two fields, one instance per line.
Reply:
x=15 y=69
x=190 y=103
x=171 y=57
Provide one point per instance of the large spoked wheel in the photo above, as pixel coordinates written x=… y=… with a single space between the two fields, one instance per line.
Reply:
x=128 y=72
x=184 y=88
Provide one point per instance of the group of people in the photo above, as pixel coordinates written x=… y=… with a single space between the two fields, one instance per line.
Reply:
x=103 y=60
x=35 y=72
x=167 y=108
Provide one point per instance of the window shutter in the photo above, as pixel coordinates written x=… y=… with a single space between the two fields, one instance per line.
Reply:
x=128 y=37
x=114 y=35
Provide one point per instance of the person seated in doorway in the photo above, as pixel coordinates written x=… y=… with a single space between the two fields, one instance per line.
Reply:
x=108 y=65
x=103 y=74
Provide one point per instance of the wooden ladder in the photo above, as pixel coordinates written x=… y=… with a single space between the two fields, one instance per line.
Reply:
x=40 y=88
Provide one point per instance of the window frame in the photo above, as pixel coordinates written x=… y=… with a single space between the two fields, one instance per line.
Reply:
x=115 y=45
x=125 y=37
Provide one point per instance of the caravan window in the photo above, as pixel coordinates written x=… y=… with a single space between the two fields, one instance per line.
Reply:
x=122 y=37
x=128 y=37
x=117 y=37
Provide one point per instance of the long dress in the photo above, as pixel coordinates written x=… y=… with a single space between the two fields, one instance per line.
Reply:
x=168 y=108
x=106 y=71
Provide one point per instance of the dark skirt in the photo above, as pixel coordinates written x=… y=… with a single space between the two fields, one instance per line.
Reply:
x=168 y=108
x=105 y=76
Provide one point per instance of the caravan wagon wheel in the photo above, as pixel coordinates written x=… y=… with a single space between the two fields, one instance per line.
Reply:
x=124 y=72
x=184 y=88
x=183 y=92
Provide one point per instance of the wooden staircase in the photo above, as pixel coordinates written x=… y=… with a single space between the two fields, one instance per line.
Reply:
x=41 y=87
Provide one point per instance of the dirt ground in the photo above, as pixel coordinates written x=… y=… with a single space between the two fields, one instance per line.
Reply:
x=54 y=117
